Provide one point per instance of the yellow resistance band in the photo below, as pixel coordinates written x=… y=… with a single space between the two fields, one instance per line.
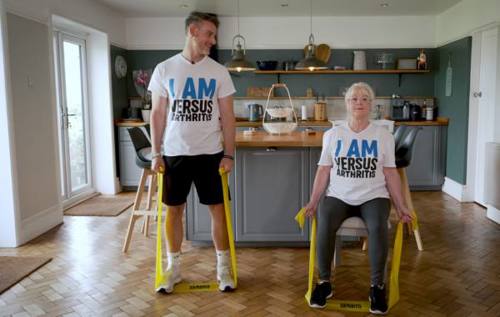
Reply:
x=185 y=287
x=349 y=305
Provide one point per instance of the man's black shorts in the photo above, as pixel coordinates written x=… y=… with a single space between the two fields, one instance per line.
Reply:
x=182 y=171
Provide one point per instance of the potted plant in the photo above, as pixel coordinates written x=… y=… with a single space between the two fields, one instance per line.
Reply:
x=141 y=82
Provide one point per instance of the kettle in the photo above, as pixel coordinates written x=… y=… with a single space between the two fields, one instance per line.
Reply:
x=255 y=112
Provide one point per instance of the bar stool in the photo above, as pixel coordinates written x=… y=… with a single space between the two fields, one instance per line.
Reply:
x=142 y=147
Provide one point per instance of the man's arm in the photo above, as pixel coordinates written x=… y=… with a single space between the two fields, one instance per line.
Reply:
x=228 y=131
x=158 y=122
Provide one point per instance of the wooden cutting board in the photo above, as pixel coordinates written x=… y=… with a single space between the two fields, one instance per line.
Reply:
x=323 y=52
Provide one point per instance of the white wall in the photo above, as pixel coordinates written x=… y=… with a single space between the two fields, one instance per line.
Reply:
x=101 y=114
x=9 y=217
x=30 y=190
x=496 y=134
x=464 y=17
x=34 y=122
x=291 y=32
x=86 y=12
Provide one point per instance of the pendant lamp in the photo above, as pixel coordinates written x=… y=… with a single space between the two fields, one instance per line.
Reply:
x=238 y=62
x=310 y=62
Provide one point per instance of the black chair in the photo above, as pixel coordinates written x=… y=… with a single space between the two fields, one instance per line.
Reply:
x=142 y=147
x=398 y=135
x=404 y=148
x=404 y=153
x=147 y=127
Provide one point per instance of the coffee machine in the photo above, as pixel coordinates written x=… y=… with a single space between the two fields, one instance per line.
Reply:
x=399 y=108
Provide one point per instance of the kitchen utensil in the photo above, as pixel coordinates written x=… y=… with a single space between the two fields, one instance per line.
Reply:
x=359 y=60
x=289 y=65
x=320 y=111
x=278 y=118
x=323 y=53
x=255 y=112
x=267 y=65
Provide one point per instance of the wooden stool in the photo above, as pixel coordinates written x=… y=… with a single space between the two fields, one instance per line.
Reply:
x=142 y=147
x=147 y=212
x=404 y=151
x=412 y=226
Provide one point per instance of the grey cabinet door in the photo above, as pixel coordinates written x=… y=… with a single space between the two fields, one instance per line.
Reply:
x=198 y=221
x=272 y=186
x=130 y=173
x=427 y=167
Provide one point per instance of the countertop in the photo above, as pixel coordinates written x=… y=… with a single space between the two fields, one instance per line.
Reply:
x=308 y=123
x=326 y=123
x=130 y=123
x=304 y=138
x=264 y=139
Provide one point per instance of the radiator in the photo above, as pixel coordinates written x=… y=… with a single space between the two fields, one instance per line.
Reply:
x=492 y=175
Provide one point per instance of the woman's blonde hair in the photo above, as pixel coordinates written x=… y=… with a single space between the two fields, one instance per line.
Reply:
x=360 y=86
x=354 y=87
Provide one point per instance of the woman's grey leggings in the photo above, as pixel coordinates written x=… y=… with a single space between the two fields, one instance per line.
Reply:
x=374 y=213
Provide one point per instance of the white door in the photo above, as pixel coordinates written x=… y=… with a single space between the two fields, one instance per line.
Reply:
x=484 y=93
x=73 y=117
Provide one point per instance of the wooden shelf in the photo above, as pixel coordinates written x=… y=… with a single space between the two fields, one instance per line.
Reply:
x=368 y=71
x=398 y=72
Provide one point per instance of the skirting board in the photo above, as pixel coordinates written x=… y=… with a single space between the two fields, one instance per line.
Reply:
x=40 y=223
x=454 y=189
x=493 y=214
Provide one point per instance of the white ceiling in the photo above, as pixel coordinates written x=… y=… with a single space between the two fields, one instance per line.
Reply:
x=180 y=8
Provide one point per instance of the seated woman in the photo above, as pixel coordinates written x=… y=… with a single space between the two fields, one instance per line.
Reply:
x=357 y=163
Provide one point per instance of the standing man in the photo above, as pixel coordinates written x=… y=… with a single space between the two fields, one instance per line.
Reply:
x=193 y=114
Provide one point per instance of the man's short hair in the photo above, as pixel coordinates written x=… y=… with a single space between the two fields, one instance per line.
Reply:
x=196 y=17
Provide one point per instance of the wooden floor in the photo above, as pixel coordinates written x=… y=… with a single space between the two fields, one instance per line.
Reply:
x=458 y=273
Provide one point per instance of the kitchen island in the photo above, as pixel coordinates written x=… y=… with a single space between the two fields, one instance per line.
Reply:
x=273 y=177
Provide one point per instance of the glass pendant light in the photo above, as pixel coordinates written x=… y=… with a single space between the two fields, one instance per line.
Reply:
x=238 y=62
x=310 y=62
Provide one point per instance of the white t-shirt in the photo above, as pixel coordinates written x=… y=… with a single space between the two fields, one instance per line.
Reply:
x=357 y=161
x=193 y=90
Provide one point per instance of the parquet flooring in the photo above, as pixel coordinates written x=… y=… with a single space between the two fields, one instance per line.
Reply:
x=458 y=273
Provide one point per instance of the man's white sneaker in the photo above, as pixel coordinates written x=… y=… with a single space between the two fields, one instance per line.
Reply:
x=226 y=283
x=172 y=277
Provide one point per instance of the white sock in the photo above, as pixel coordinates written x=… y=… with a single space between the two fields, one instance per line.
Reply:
x=222 y=258
x=173 y=260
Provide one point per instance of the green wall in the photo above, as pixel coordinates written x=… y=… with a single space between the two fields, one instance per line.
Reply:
x=329 y=85
x=334 y=84
x=119 y=86
x=456 y=106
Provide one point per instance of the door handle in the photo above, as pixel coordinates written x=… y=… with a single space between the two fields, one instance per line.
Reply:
x=477 y=94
